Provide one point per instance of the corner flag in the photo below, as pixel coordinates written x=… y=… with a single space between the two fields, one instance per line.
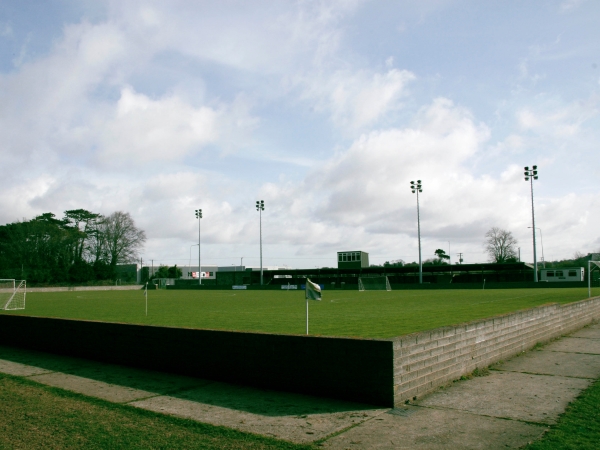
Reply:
x=313 y=290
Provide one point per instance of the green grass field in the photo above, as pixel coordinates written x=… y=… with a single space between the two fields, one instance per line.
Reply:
x=37 y=416
x=376 y=314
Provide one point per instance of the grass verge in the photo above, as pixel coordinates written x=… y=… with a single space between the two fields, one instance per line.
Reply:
x=36 y=416
x=578 y=428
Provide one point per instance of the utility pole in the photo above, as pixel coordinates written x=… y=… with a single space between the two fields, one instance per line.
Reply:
x=460 y=258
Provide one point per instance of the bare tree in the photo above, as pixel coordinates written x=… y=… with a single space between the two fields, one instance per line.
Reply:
x=500 y=245
x=121 y=238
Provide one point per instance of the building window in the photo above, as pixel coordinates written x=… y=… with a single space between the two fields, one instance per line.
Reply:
x=572 y=273
x=550 y=274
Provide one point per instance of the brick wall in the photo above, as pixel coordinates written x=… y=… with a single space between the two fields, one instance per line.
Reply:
x=424 y=361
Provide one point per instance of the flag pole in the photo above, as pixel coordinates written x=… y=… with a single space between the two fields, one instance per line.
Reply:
x=307 y=314
x=312 y=291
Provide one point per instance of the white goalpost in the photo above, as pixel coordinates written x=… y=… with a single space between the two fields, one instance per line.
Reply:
x=374 y=284
x=12 y=294
x=589 y=274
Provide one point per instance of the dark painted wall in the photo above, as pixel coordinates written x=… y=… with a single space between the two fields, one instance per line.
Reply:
x=352 y=284
x=351 y=369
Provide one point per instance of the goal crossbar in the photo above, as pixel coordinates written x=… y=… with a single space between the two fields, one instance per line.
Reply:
x=12 y=294
x=374 y=284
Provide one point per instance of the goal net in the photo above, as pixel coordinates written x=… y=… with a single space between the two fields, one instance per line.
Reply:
x=12 y=294
x=374 y=284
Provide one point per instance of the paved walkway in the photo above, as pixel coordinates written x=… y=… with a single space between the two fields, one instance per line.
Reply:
x=511 y=406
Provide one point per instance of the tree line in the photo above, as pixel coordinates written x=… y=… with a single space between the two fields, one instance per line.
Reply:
x=80 y=247
x=501 y=247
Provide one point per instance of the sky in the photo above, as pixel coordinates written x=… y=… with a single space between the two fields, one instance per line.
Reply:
x=326 y=110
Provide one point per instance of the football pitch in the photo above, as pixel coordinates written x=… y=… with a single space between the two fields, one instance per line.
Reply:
x=375 y=314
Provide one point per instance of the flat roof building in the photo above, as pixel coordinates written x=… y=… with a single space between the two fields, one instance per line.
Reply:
x=353 y=260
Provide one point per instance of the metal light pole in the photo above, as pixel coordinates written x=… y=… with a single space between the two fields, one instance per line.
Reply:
x=542 y=239
x=530 y=175
x=190 y=262
x=260 y=207
x=416 y=188
x=199 y=217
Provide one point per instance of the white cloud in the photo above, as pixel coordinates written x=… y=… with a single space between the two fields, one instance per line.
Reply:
x=161 y=108
x=143 y=130
x=356 y=100
x=569 y=5
x=559 y=121
x=259 y=36
x=6 y=30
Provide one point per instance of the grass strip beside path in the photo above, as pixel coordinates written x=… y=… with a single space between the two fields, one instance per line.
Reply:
x=578 y=428
x=36 y=416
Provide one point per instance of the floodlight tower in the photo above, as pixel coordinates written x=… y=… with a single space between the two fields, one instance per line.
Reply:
x=199 y=217
x=416 y=187
x=530 y=175
x=260 y=207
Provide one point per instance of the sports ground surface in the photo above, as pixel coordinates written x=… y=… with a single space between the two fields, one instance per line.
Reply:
x=376 y=314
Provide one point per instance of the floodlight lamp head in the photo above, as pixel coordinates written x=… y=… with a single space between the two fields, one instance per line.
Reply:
x=526 y=167
x=198 y=214
x=260 y=205
x=534 y=167
x=526 y=178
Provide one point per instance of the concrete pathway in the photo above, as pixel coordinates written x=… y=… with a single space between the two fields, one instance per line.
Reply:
x=511 y=406
x=508 y=408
